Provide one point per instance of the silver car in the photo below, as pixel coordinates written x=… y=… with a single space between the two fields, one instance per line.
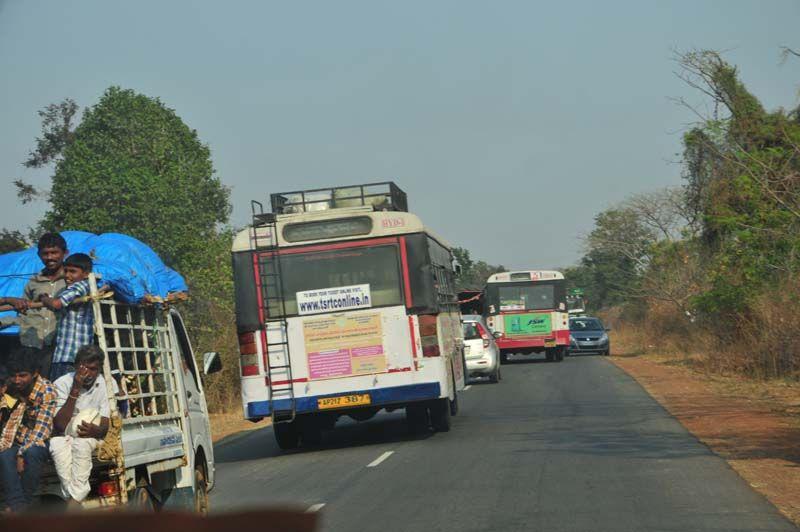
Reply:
x=480 y=350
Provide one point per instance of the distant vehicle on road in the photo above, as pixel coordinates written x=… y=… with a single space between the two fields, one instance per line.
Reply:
x=480 y=349
x=527 y=311
x=345 y=305
x=588 y=335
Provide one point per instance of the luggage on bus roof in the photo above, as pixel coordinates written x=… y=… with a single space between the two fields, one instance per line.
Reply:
x=385 y=196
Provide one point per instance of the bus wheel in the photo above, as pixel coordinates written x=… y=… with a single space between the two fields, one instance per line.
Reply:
x=504 y=358
x=440 y=414
x=200 y=491
x=417 y=418
x=560 y=354
x=549 y=355
x=311 y=430
x=287 y=435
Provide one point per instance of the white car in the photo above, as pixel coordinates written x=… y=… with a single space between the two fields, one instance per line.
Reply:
x=480 y=350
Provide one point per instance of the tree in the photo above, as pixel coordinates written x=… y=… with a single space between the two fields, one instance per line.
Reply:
x=57 y=133
x=11 y=241
x=473 y=274
x=133 y=166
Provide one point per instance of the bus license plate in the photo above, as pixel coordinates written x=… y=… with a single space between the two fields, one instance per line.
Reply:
x=343 y=401
x=550 y=343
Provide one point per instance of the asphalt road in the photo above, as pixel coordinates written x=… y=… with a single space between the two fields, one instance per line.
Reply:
x=570 y=446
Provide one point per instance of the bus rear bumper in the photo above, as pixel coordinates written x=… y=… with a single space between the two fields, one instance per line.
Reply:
x=555 y=339
x=381 y=397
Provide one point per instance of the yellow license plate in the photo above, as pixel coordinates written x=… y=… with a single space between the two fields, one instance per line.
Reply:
x=549 y=343
x=343 y=401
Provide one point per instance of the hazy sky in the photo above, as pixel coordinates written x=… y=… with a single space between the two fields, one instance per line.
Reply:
x=509 y=124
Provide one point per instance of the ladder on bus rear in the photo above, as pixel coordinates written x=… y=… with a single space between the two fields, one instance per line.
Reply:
x=278 y=358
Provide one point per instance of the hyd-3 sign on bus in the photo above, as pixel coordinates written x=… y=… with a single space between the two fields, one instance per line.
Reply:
x=527 y=312
x=345 y=305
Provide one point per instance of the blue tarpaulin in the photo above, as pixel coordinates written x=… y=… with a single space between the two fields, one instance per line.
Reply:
x=128 y=266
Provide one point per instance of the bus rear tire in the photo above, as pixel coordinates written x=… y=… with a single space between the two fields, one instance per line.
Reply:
x=504 y=358
x=417 y=418
x=287 y=435
x=440 y=414
x=311 y=430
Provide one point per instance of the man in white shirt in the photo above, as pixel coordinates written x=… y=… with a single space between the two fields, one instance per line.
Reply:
x=81 y=420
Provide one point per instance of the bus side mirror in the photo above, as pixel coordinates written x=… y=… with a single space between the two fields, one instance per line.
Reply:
x=212 y=363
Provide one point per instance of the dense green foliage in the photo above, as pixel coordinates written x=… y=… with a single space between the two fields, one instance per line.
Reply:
x=716 y=249
x=133 y=166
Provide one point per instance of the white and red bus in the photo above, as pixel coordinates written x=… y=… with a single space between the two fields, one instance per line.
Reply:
x=527 y=312
x=345 y=305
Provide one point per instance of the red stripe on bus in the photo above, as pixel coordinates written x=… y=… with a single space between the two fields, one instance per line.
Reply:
x=406 y=279
x=413 y=336
x=278 y=383
x=338 y=245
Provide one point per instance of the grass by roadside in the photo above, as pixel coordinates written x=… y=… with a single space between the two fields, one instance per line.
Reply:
x=754 y=425
x=226 y=424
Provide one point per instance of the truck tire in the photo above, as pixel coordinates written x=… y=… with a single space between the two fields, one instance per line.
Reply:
x=560 y=354
x=503 y=358
x=549 y=355
x=141 y=500
x=287 y=435
x=440 y=414
x=200 y=490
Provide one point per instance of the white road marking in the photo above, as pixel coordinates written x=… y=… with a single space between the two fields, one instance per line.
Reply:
x=467 y=387
x=380 y=459
x=315 y=508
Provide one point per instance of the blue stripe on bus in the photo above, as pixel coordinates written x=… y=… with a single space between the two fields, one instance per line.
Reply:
x=379 y=396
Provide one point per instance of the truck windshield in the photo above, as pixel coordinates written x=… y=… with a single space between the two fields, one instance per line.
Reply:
x=377 y=267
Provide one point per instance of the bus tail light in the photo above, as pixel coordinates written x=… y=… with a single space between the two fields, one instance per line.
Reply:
x=248 y=352
x=429 y=337
x=484 y=335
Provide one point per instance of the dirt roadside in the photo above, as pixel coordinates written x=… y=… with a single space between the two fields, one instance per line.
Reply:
x=224 y=425
x=754 y=426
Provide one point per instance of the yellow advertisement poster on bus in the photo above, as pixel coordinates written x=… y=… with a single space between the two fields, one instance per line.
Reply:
x=343 y=346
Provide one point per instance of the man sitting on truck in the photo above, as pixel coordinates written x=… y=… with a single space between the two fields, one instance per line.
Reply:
x=82 y=421
x=22 y=457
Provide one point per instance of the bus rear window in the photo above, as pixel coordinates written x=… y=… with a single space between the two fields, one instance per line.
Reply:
x=377 y=266
x=530 y=297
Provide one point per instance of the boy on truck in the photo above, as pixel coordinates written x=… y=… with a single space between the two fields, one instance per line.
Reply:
x=75 y=321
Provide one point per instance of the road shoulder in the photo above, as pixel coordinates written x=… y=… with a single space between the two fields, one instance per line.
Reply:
x=754 y=427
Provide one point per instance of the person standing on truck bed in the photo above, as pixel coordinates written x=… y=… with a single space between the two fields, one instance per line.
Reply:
x=22 y=458
x=37 y=327
x=75 y=320
x=82 y=396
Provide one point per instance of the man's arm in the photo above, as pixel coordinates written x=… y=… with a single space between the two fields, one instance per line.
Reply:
x=67 y=397
x=43 y=424
x=67 y=296
x=90 y=430
x=20 y=305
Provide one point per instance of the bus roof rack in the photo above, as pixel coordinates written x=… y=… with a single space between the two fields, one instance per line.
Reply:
x=385 y=196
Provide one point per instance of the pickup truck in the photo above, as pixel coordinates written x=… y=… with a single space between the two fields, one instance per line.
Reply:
x=158 y=452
